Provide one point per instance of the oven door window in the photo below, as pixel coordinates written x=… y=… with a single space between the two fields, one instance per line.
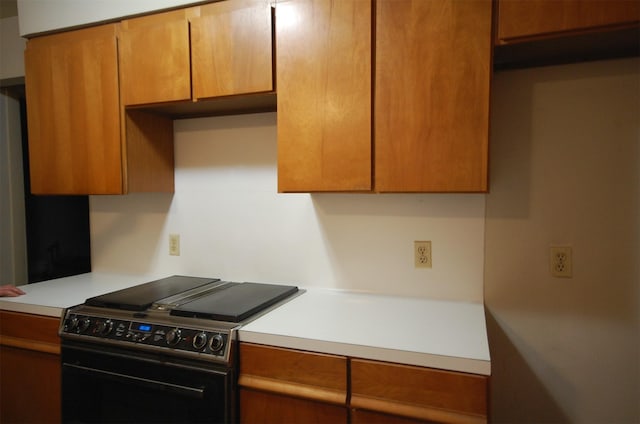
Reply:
x=112 y=388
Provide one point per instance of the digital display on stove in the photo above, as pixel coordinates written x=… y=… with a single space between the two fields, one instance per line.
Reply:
x=141 y=327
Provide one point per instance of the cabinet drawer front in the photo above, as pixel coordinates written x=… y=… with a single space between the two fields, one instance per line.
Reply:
x=417 y=392
x=294 y=373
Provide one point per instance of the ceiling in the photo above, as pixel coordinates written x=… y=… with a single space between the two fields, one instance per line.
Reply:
x=8 y=8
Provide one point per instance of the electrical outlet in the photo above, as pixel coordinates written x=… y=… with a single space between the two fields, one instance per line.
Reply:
x=422 y=254
x=174 y=244
x=561 y=261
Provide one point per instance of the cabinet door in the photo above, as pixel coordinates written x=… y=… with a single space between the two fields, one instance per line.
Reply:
x=29 y=368
x=154 y=58
x=433 y=71
x=74 y=112
x=231 y=49
x=324 y=95
x=266 y=408
x=283 y=385
x=532 y=18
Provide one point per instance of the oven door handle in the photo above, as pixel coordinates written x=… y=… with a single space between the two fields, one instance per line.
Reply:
x=192 y=392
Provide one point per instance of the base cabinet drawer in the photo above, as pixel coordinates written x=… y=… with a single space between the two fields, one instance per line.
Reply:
x=417 y=393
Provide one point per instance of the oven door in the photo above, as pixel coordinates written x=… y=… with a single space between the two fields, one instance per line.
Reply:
x=101 y=385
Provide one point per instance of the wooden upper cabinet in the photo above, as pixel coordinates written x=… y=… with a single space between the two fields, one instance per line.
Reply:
x=231 y=49
x=73 y=112
x=214 y=50
x=154 y=58
x=523 y=20
x=324 y=95
x=433 y=71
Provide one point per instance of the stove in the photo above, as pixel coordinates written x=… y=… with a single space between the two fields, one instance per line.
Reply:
x=171 y=341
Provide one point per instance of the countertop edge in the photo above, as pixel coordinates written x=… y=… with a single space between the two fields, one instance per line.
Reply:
x=449 y=363
x=27 y=308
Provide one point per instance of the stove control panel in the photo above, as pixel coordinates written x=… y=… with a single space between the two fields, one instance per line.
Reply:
x=147 y=334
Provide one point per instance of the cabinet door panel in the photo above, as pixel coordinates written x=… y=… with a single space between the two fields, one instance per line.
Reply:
x=260 y=407
x=232 y=50
x=433 y=70
x=532 y=18
x=154 y=61
x=324 y=95
x=74 y=112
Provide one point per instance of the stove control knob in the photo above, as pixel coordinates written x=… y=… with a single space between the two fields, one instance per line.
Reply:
x=83 y=324
x=103 y=328
x=200 y=340
x=216 y=343
x=72 y=324
x=174 y=336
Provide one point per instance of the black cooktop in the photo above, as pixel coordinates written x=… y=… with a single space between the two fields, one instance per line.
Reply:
x=236 y=302
x=140 y=298
x=231 y=302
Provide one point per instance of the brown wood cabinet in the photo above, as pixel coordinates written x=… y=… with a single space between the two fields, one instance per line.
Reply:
x=416 y=393
x=430 y=114
x=283 y=385
x=524 y=20
x=209 y=51
x=29 y=368
x=80 y=141
x=324 y=95
x=432 y=87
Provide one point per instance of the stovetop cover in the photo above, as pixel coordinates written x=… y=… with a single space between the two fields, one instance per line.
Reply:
x=235 y=303
x=139 y=298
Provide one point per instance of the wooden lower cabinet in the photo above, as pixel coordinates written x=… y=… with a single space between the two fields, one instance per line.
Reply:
x=283 y=385
x=30 y=369
x=417 y=393
x=263 y=407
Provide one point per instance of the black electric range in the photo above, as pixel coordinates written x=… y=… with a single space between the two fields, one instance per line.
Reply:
x=164 y=351
x=178 y=315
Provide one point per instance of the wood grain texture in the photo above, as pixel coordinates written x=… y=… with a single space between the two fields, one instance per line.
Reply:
x=150 y=154
x=155 y=59
x=30 y=368
x=296 y=373
x=269 y=408
x=432 y=87
x=419 y=393
x=323 y=80
x=361 y=416
x=231 y=50
x=525 y=20
x=74 y=112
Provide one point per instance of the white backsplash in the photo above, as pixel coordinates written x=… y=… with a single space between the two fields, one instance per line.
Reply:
x=234 y=225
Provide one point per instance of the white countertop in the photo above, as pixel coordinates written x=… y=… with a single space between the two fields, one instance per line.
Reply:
x=51 y=297
x=431 y=333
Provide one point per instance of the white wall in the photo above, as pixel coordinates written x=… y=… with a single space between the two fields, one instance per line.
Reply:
x=38 y=16
x=13 y=245
x=565 y=169
x=11 y=49
x=234 y=225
